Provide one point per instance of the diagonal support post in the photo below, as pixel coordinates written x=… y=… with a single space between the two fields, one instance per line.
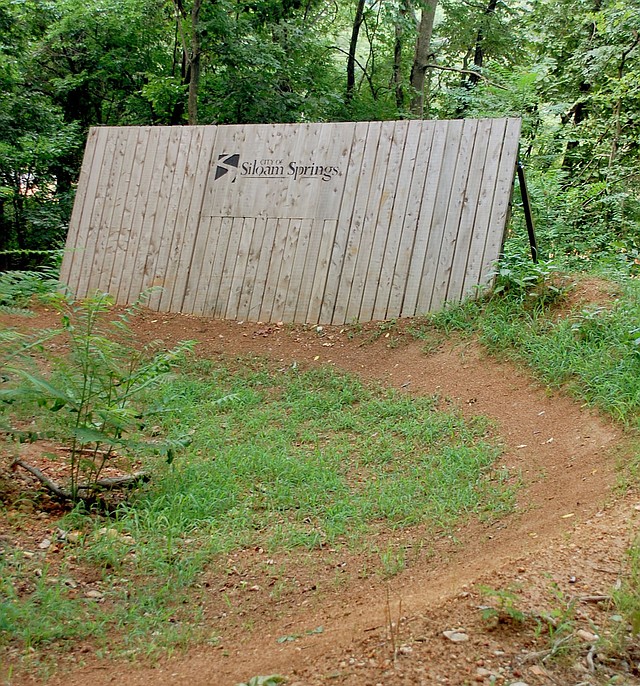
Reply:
x=526 y=206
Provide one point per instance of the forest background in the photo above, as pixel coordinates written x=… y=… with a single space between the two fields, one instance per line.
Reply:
x=569 y=68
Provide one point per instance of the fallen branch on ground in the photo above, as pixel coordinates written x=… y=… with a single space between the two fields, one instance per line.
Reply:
x=110 y=483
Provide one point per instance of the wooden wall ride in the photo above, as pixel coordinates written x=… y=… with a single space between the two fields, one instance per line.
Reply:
x=309 y=223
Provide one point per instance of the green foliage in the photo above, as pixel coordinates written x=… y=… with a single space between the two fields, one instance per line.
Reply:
x=591 y=352
x=570 y=69
x=559 y=622
x=504 y=607
x=534 y=285
x=93 y=389
x=626 y=598
x=17 y=288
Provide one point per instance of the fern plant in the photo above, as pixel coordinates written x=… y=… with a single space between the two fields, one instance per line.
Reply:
x=97 y=387
x=17 y=288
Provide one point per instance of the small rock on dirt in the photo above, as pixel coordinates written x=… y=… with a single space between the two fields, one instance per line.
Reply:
x=94 y=595
x=456 y=636
x=586 y=636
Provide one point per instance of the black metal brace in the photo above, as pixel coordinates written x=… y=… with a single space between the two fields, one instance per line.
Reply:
x=526 y=206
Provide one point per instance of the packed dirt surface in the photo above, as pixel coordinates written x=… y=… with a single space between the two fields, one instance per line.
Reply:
x=547 y=570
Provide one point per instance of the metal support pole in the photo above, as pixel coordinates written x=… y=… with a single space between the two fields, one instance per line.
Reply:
x=526 y=206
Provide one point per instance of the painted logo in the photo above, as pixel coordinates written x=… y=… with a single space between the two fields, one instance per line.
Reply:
x=274 y=169
x=226 y=164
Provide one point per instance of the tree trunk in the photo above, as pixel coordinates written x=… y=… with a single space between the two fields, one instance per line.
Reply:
x=351 y=59
x=422 y=57
x=194 y=63
x=397 y=55
x=617 y=110
x=478 y=55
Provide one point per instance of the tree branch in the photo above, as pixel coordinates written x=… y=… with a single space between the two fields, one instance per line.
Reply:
x=364 y=70
x=468 y=71
x=108 y=484
x=44 y=479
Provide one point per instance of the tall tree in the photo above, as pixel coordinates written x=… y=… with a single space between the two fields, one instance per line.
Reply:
x=423 y=55
x=353 y=47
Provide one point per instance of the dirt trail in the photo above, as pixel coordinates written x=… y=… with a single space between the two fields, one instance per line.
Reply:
x=564 y=453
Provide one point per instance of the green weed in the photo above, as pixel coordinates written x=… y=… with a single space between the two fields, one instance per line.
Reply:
x=626 y=598
x=503 y=608
x=392 y=560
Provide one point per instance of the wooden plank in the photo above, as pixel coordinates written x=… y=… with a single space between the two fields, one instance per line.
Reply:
x=445 y=183
x=159 y=235
x=469 y=211
x=297 y=272
x=220 y=228
x=251 y=199
x=152 y=175
x=223 y=227
x=119 y=276
x=228 y=266
x=310 y=267
x=188 y=217
x=424 y=220
x=350 y=228
x=370 y=222
x=421 y=137
x=253 y=264
x=237 y=276
x=111 y=216
x=216 y=201
x=371 y=284
x=110 y=140
x=273 y=274
x=83 y=199
x=346 y=149
x=294 y=192
x=262 y=269
x=188 y=268
x=286 y=269
x=317 y=302
x=168 y=207
x=177 y=270
x=326 y=287
x=483 y=211
x=444 y=263
x=501 y=202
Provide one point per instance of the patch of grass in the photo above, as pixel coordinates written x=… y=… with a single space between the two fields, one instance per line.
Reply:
x=279 y=458
x=393 y=561
x=301 y=457
x=593 y=353
x=626 y=598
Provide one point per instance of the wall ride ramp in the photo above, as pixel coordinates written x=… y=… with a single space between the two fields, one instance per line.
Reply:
x=309 y=223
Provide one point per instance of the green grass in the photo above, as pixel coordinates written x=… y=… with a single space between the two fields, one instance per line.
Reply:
x=279 y=458
x=299 y=458
x=592 y=353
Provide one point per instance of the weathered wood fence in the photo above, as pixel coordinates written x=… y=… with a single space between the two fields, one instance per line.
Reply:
x=310 y=223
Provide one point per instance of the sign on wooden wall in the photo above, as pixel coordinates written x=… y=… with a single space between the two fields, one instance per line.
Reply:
x=309 y=223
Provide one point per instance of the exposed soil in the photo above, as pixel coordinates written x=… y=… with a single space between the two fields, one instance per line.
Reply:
x=562 y=548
